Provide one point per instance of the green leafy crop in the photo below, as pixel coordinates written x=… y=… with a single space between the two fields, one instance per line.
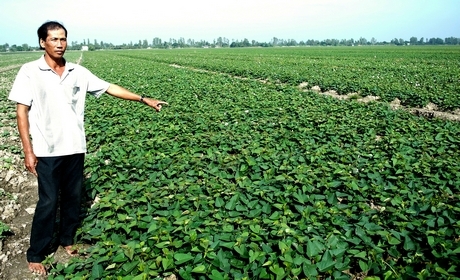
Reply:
x=244 y=179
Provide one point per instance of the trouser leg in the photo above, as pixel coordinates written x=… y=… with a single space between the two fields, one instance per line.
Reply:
x=71 y=193
x=56 y=176
x=45 y=211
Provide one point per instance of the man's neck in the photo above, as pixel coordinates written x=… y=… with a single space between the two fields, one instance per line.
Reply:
x=57 y=65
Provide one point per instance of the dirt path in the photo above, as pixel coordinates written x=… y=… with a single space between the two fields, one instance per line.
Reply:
x=429 y=111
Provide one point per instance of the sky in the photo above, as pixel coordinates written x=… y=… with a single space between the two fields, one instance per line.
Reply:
x=126 y=21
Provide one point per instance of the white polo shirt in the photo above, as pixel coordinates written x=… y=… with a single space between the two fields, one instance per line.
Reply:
x=57 y=105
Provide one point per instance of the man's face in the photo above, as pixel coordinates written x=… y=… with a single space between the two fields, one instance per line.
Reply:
x=55 y=44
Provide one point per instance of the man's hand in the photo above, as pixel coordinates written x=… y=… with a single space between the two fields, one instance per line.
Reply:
x=156 y=104
x=30 y=161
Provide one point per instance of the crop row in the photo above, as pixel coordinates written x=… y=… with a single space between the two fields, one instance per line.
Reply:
x=238 y=179
x=415 y=75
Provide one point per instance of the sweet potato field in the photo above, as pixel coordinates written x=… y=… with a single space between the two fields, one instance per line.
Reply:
x=246 y=176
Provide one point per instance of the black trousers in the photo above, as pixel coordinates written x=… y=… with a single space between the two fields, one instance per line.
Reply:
x=60 y=180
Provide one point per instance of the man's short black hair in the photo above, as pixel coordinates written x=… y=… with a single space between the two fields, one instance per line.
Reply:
x=42 y=31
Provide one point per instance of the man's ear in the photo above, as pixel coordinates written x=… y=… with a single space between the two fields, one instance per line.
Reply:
x=42 y=43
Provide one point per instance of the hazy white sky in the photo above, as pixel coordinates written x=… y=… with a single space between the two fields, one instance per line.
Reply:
x=120 y=22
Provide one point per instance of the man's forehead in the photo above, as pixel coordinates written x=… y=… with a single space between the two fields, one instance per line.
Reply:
x=56 y=33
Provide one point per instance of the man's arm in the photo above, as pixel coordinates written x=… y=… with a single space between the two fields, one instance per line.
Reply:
x=123 y=93
x=30 y=160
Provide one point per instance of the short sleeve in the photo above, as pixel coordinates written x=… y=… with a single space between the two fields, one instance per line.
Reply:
x=96 y=86
x=21 y=92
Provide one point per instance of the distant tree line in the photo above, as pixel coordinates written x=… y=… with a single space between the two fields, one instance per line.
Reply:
x=223 y=42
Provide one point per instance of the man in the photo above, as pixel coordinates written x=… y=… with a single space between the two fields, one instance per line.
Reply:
x=50 y=95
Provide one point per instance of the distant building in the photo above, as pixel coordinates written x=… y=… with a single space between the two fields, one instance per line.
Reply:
x=84 y=48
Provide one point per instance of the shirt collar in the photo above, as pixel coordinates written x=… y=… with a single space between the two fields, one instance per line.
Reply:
x=44 y=66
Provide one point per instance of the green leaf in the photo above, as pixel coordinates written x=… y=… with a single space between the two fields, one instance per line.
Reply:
x=361 y=255
x=363 y=265
x=215 y=275
x=280 y=178
x=166 y=263
x=439 y=137
x=141 y=276
x=363 y=235
x=97 y=271
x=182 y=258
x=310 y=270
x=338 y=252
x=162 y=244
x=441 y=270
x=241 y=250
x=152 y=227
x=128 y=267
x=255 y=228
x=278 y=271
x=431 y=240
x=199 y=269
x=231 y=204
x=254 y=213
x=314 y=248
x=219 y=202
x=326 y=262
x=283 y=247
x=122 y=217
x=120 y=258
x=393 y=240
x=253 y=255
x=129 y=252
x=264 y=273
x=70 y=269
x=95 y=232
x=409 y=245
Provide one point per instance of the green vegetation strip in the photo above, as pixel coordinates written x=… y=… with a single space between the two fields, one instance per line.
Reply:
x=415 y=75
